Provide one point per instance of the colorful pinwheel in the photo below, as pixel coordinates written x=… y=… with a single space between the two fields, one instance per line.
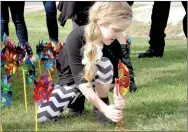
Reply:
x=7 y=91
x=43 y=89
x=11 y=58
x=30 y=75
x=128 y=40
x=122 y=83
x=47 y=54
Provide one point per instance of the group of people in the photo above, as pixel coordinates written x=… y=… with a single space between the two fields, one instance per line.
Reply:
x=88 y=63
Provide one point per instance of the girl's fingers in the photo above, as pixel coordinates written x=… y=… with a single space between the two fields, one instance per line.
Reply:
x=116 y=119
x=120 y=104
x=118 y=113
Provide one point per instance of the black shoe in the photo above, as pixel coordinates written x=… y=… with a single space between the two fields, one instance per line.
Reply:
x=73 y=112
x=100 y=117
x=77 y=107
x=132 y=87
x=150 y=53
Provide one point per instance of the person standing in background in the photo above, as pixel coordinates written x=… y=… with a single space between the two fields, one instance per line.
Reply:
x=159 y=18
x=17 y=13
x=51 y=21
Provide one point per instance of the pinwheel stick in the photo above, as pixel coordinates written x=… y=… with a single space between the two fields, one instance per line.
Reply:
x=25 y=93
x=50 y=74
x=117 y=93
x=36 y=117
x=1 y=127
x=39 y=68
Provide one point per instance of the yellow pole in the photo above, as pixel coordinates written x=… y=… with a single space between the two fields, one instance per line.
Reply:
x=39 y=68
x=50 y=74
x=25 y=93
x=1 y=127
x=36 y=117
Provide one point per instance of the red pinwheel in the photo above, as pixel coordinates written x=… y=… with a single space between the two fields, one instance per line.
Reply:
x=43 y=89
x=122 y=83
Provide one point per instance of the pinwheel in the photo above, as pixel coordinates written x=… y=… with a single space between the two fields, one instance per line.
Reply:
x=47 y=54
x=8 y=58
x=30 y=75
x=11 y=58
x=43 y=89
x=6 y=91
x=128 y=40
x=122 y=83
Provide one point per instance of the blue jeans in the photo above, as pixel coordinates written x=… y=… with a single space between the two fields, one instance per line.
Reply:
x=51 y=20
x=17 y=13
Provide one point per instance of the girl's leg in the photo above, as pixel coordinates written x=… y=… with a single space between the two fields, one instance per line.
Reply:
x=103 y=82
x=61 y=97
x=104 y=77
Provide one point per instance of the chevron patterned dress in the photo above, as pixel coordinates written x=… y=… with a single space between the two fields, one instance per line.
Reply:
x=64 y=95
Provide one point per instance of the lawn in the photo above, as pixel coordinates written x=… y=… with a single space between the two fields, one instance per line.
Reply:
x=159 y=104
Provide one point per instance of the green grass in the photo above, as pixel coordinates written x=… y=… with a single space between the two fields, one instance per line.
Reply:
x=158 y=105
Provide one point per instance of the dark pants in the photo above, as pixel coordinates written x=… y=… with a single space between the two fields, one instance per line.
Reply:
x=17 y=13
x=185 y=18
x=51 y=20
x=159 y=18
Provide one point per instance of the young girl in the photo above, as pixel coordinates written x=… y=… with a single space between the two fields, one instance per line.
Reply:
x=85 y=60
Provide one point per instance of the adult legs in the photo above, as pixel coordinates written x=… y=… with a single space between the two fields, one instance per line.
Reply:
x=51 y=20
x=17 y=13
x=184 y=3
x=159 y=20
x=4 y=19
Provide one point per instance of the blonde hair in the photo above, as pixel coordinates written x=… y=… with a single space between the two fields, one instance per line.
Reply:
x=102 y=13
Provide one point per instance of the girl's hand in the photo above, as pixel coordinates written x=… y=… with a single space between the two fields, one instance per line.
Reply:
x=119 y=101
x=113 y=113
